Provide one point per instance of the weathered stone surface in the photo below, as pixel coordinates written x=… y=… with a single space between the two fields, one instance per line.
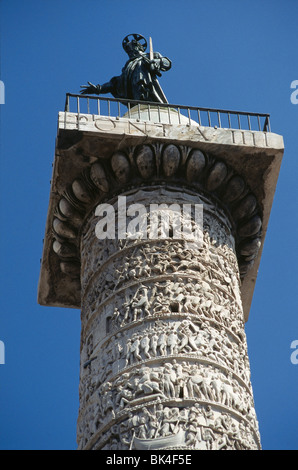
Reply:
x=234 y=190
x=195 y=166
x=145 y=161
x=98 y=177
x=92 y=146
x=121 y=167
x=245 y=207
x=163 y=349
x=171 y=160
x=249 y=248
x=217 y=176
x=164 y=357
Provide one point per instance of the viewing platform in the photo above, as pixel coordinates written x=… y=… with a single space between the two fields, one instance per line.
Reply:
x=91 y=129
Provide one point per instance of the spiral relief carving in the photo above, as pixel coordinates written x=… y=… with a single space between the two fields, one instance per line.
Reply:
x=164 y=356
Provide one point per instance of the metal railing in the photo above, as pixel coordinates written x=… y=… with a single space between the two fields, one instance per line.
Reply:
x=209 y=117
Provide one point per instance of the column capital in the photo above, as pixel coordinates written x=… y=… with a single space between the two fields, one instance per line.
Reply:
x=97 y=157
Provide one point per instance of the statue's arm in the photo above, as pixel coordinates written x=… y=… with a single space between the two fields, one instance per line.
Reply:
x=162 y=63
x=158 y=64
x=165 y=63
x=91 y=89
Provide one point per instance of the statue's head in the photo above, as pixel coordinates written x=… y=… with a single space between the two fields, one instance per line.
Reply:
x=134 y=43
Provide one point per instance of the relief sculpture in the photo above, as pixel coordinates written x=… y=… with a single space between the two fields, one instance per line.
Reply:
x=164 y=351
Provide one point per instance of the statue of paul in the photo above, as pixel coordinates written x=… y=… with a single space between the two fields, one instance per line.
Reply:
x=138 y=80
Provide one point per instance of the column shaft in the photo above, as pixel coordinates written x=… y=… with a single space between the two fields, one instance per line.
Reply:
x=163 y=350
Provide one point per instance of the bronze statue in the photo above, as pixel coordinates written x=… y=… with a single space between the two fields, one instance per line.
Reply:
x=138 y=80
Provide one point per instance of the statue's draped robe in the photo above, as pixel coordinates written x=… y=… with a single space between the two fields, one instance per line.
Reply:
x=137 y=82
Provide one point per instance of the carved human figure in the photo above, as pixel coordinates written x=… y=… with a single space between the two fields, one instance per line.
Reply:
x=193 y=431
x=127 y=310
x=154 y=342
x=142 y=428
x=106 y=396
x=186 y=331
x=172 y=341
x=169 y=379
x=180 y=378
x=197 y=384
x=208 y=436
x=141 y=304
x=145 y=345
x=128 y=352
x=135 y=348
x=148 y=383
x=162 y=343
x=165 y=428
x=123 y=397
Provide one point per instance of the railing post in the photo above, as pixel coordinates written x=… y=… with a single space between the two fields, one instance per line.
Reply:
x=266 y=125
x=239 y=122
x=189 y=119
x=269 y=126
x=78 y=111
x=209 y=119
x=66 y=108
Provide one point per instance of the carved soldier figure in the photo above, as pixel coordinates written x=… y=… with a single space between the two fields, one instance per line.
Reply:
x=162 y=343
x=142 y=429
x=169 y=379
x=148 y=383
x=154 y=342
x=186 y=330
x=128 y=352
x=105 y=394
x=180 y=377
x=124 y=396
x=135 y=347
x=208 y=437
x=153 y=426
x=145 y=345
x=141 y=304
x=172 y=340
x=194 y=432
x=126 y=308
x=165 y=429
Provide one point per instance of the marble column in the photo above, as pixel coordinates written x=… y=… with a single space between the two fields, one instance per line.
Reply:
x=164 y=361
x=164 y=357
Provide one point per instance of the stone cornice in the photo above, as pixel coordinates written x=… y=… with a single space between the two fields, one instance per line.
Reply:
x=92 y=165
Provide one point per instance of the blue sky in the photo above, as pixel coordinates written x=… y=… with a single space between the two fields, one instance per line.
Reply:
x=230 y=55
